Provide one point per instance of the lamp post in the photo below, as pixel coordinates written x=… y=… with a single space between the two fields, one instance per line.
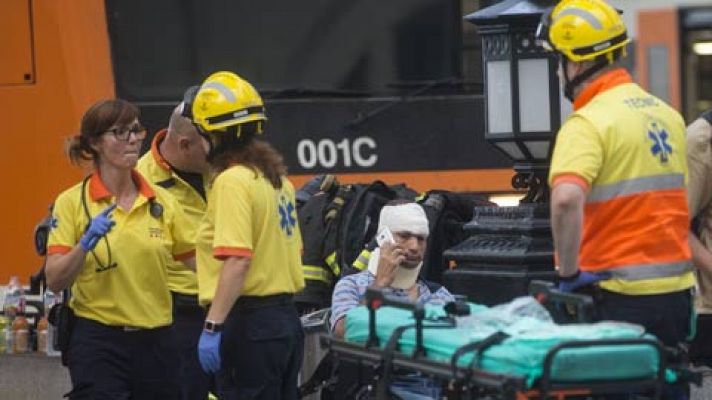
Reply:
x=524 y=106
x=509 y=247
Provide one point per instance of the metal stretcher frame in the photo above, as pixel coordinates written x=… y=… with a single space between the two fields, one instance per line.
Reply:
x=470 y=383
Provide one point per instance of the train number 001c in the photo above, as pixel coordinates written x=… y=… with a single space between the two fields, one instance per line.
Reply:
x=358 y=152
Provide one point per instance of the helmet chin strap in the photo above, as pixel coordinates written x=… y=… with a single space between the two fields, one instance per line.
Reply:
x=211 y=146
x=571 y=84
x=204 y=135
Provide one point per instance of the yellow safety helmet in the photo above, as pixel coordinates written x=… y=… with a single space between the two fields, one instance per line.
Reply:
x=582 y=30
x=225 y=100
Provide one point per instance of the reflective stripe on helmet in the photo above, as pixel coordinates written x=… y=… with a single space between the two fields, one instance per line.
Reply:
x=582 y=51
x=585 y=15
x=220 y=87
x=237 y=115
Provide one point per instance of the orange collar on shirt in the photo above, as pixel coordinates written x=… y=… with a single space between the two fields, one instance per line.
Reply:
x=156 y=153
x=98 y=191
x=604 y=82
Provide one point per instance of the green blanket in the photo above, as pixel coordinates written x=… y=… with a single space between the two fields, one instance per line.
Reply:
x=523 y=352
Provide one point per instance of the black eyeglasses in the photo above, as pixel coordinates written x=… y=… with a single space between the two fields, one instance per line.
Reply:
x=124 y=132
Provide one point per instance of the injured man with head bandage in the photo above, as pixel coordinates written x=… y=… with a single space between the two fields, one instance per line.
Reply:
x=393 y=266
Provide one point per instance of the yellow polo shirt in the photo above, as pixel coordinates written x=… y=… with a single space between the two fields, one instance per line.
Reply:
x=159 y=172
x=127 y=287
x=248 y=217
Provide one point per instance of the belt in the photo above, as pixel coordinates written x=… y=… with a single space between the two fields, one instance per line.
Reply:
x=137 y=329
x=185 y=302
x=247 y=303
x=122 y=328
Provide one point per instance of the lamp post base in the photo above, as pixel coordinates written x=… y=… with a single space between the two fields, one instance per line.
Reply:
x=533 y=177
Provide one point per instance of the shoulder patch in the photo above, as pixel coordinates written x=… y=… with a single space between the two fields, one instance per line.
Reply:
x=660 y=146
x=287 y=214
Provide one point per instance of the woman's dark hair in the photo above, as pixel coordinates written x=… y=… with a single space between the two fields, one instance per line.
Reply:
x=249 y=151
x=96 y=120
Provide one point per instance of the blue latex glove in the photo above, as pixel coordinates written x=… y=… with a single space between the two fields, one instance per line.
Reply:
x=209 y=351
x=98 y=227
x=582 y=279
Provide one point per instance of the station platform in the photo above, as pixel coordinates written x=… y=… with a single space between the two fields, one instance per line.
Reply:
x=32 y=377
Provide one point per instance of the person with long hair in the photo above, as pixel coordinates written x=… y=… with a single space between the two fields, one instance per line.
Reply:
x=248 y=249
x=112 y=237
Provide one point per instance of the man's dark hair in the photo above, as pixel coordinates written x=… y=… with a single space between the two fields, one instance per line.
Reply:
x=398 y=202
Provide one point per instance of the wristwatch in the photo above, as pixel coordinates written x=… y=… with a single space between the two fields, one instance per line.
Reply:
x=571 y=277
x=212 y=326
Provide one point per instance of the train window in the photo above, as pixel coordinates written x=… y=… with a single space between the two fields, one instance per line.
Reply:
x=704 y=89
x=696 y=52
x=311 y=47
x=16 y=53
x=658 y=72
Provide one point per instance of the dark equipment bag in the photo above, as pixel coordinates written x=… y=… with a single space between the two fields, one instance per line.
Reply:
x=336 y=224
x=447 y=214
x=62 y=317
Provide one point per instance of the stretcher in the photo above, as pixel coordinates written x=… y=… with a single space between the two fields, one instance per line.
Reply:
x=387 y=337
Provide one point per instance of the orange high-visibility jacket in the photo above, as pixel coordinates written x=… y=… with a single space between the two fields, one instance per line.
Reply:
x=626 y=148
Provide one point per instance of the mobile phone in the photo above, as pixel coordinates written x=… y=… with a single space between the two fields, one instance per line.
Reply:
x=384 y=236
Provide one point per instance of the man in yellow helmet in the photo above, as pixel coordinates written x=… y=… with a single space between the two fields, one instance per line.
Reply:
x=248 y=249
x=618 y=174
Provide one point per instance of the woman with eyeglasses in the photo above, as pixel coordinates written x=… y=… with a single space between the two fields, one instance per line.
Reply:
x=112 y=236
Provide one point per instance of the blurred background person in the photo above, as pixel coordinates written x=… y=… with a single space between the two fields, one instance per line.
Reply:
x=699 y=198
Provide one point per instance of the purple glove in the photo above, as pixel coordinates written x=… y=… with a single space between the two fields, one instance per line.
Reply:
x=209 y=351
x=580 y=279
x=98 y=227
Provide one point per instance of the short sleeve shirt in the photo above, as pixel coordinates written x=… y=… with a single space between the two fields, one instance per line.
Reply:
x=123 y=280
x=351 y=290
x=248 y=217
x=156 y=169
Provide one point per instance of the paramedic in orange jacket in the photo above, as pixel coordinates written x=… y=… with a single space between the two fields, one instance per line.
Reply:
x=618 y=173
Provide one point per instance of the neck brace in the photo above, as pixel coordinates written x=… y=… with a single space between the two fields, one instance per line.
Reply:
x=405 y=278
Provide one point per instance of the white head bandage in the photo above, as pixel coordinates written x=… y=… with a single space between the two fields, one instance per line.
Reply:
x=409 y=217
